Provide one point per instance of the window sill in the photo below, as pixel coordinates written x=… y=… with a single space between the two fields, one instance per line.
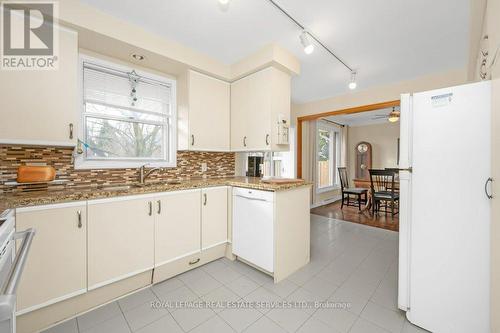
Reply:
x=85 y=165
x=328 y=189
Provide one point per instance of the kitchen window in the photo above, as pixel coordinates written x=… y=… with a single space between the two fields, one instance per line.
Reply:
x=327 y=156
x=128 y=117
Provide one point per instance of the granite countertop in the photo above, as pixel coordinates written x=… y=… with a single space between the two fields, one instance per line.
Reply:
x=45 y=197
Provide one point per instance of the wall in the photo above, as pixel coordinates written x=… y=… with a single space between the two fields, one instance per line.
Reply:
x=380 y=93
x=188 y=165
x=365 y=97
x=382 y=137
x=477 y=19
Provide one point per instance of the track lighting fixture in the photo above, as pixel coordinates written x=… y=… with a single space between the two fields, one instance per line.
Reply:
x=224 y=4
x=352 y=83
x=306 y=43
x=305 y=38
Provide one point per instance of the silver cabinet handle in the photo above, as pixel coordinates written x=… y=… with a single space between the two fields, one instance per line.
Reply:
x=244 y=141
x=488 y=195
x=150 y=208
x=192 y=139
x=204 y=199
x=79 y=214
x=192 y=262
x=159 y=206
x=71 y=131
x=267 y=139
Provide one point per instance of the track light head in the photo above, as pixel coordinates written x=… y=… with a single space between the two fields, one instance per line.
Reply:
x=352 y=83
x=224 y=4
x=306 y=43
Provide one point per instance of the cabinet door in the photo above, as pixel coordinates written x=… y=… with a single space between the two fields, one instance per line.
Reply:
x=56 y=268
x=209 y=103
x=120 y=239
x=250 y=112
x=213 y=216
x=260 y=93
x=240 y=114
x=48 y=99
x=177 y=225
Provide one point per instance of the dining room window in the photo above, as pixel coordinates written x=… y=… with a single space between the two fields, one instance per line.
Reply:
x=327 y=157
x=128 y=117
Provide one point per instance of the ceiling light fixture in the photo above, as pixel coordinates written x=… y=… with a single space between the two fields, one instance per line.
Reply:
x=306 y=43
x=352 y=83
x=138 y=57
x=224 y=4
x=394 y=115
x=308 y=34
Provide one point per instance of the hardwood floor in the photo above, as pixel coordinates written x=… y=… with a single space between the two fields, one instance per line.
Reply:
x=351 y=214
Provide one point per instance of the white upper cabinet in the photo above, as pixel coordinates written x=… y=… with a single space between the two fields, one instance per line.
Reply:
x=260 y=111
x=41 y=106
x=209 y=113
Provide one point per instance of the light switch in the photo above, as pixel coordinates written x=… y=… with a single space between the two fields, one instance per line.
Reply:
x=204 y=167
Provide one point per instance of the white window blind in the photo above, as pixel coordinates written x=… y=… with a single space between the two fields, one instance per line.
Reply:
x=126 y=116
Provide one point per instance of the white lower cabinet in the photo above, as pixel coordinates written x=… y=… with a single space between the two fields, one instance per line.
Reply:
x=82 y=246
x=177 y=225
x=214 y=216
x=120 y=238
x=56 y=268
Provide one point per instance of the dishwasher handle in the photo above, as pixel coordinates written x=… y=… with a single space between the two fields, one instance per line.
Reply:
x=249 y=198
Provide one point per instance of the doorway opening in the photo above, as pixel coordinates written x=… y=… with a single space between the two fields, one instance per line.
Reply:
x=338 y=150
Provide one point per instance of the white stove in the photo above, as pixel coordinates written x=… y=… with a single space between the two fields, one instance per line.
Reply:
x=11 y=267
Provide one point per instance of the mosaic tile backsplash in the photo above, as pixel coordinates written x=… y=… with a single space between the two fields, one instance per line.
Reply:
x=188 y=166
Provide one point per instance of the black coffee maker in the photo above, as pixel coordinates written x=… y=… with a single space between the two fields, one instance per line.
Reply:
x=254 y=163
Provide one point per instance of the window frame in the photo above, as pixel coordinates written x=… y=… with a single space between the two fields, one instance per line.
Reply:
x=334 y=155
x=170 y=128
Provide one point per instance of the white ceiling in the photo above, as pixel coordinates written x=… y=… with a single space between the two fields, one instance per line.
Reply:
x=386 y=40
x=362 y=118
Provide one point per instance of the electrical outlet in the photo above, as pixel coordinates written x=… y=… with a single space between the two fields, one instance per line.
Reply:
x=204 y=167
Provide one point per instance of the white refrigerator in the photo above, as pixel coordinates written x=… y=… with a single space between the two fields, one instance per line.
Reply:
x=444 y=244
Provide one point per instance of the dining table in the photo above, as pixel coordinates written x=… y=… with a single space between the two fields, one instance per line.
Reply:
x=366 y=183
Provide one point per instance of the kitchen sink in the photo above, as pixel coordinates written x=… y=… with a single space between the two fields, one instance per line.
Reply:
x=119 y=187
x=173 y=182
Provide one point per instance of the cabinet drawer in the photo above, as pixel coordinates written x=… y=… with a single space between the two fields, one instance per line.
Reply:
x=187 y=263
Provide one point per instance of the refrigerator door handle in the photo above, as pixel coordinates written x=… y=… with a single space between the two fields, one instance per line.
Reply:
x=488 y=195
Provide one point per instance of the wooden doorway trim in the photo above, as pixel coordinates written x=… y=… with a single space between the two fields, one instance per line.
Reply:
x=358 y=109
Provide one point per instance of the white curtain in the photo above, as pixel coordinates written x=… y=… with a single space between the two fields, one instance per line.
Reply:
x=309 y=129
x=343 y=148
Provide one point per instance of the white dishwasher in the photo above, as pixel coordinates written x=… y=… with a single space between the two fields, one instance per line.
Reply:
x=253 y=227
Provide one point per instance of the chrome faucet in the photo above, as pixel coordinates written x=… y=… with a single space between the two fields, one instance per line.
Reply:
x=143 y=174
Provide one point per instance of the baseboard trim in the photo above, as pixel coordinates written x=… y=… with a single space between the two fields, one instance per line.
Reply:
x=326 y=202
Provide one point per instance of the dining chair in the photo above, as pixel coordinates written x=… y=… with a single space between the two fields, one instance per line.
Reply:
x=360 y=195
x=383 y=191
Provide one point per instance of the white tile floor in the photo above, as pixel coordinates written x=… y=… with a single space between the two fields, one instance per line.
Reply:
x=350 y=263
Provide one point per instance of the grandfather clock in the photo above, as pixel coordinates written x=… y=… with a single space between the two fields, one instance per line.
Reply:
x=363 y=160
